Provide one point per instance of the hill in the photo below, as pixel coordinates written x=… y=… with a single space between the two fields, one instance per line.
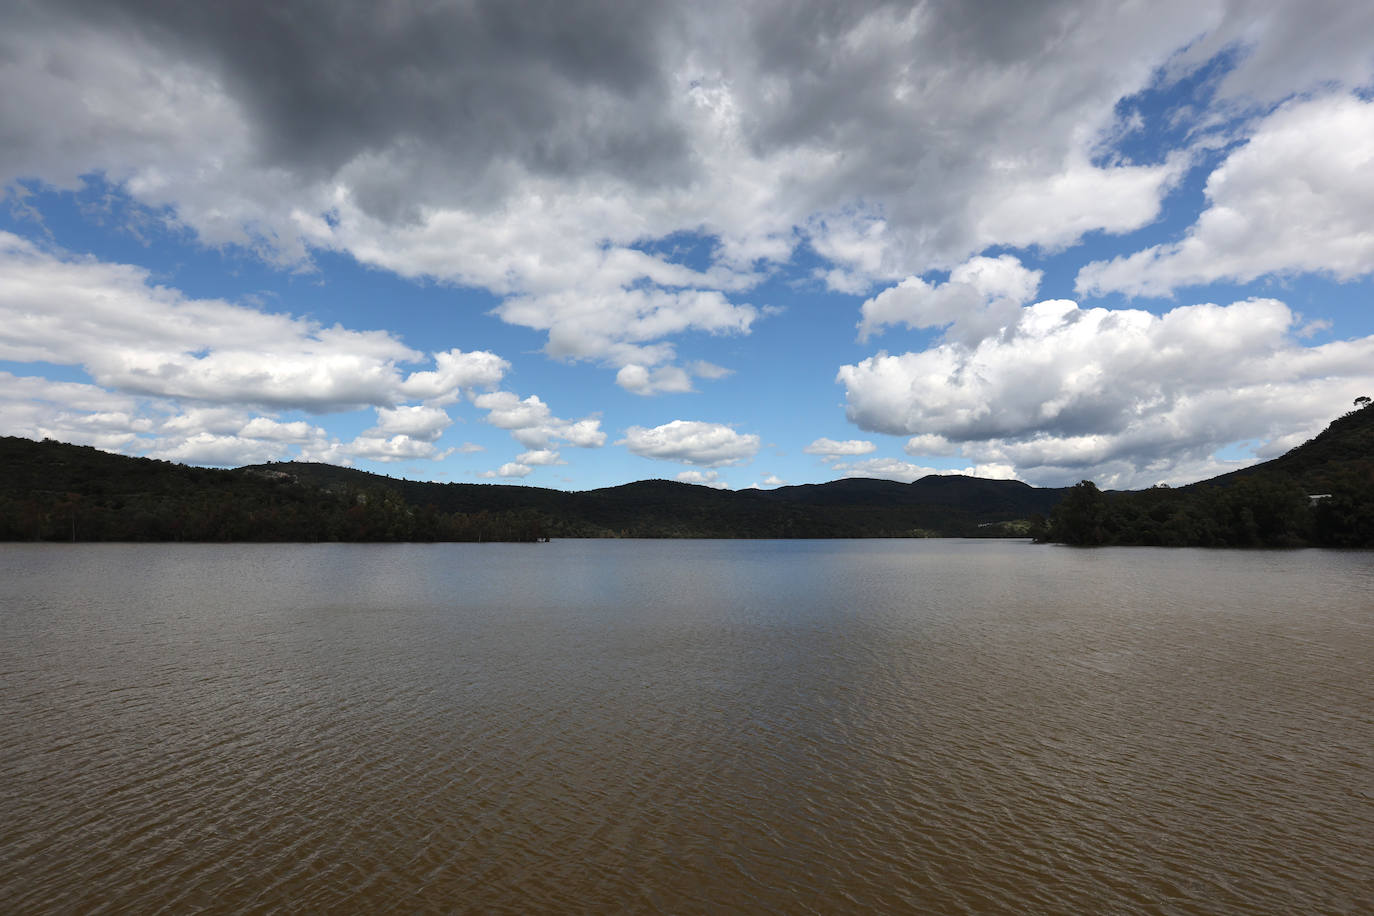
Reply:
x=55 y=491
x=1320 y=493
x=959 y=507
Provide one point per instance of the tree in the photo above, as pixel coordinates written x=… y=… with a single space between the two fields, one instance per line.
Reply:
x=1080 y=517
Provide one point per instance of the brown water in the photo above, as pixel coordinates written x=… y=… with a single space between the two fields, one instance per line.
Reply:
x=683 y=727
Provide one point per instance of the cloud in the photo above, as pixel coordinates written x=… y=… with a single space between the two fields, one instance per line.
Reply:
x=534 y=150
x=702 y=369
x=829 y=449
x=297 y=432
x=692 y=442
x=426 y=424
x=641 y=380
x=206 y=448
x=1123 y=395
x=143 y=339
x=1295 y=198
x=37 y=408
x=509 y=469
x=532 y=423
x=982 y=295
x=454 y=372
x=906 y=472
x=703 y=478
x=540 y=457
x=929 y=445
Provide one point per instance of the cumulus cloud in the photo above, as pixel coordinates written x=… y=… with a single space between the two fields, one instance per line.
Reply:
x=509 y=469
x=692 y=442
x=455 y=372
x=641 y=380
x=137 y=337
x=1121 y=394
x=1296 y=197
x=541 y=457
x=906 y=471
x=533 y=150
x=929 y=445
x=412 y=421
x=982 y=295
x=703 y=478
x=206 y=448
x=297 y=432
x=531 y=422
x=37 y=408
x=830 y=449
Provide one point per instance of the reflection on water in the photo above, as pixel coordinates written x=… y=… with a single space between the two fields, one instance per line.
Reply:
x=661 y=726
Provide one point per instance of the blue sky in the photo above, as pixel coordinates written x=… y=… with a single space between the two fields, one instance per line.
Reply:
x=732 y=244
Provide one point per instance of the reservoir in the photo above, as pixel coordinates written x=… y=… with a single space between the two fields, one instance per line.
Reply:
x=935 y=726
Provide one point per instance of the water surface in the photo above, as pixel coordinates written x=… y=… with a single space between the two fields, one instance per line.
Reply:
x=685 y=726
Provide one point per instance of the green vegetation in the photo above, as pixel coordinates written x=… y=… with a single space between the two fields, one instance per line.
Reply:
x=53 y=491
x=50 y=491
x=1319 y=494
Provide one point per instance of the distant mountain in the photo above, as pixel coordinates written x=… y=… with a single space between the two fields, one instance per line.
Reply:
x=953 y=506
x=54 y=491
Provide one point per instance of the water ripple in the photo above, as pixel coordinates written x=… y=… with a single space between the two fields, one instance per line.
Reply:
x=732 y=728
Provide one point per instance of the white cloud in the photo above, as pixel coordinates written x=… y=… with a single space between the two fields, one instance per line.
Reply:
x=509 y=469
x=1125 y=396
x=702 y=369
x=929 y=445
x=37 y=408
x=297 y=432
x=455 y=371
x=531 y=422
x=773 y=480
x=143 y=339
x=540 y=457
x=641 y=380
x=830 y=449
x=413 y=421
x=1296 y=197
x=907 y=472
x=205 y=448
x=505 y=164
x=982 y=296
x=394 y=448
x=692 y=442
x=703 y=478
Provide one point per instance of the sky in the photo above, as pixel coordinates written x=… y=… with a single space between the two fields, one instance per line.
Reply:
x=738 y=244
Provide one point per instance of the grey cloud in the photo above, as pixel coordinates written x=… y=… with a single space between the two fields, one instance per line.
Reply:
x=445 y=90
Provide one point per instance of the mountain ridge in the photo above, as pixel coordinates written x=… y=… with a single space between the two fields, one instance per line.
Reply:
x=57 y=491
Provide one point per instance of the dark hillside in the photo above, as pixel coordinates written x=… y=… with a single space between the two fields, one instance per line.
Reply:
x=1322 y=462
x=1320 y=493
x=52 y=491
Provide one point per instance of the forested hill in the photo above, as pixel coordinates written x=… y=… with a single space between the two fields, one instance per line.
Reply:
x=54 y=491
x=1320 y=493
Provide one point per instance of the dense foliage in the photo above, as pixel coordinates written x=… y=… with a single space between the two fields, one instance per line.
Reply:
x=50 y=491
x=1319 y=494
x=53 y=491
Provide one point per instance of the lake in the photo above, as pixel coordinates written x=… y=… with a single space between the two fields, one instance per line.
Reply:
x=685 y=727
